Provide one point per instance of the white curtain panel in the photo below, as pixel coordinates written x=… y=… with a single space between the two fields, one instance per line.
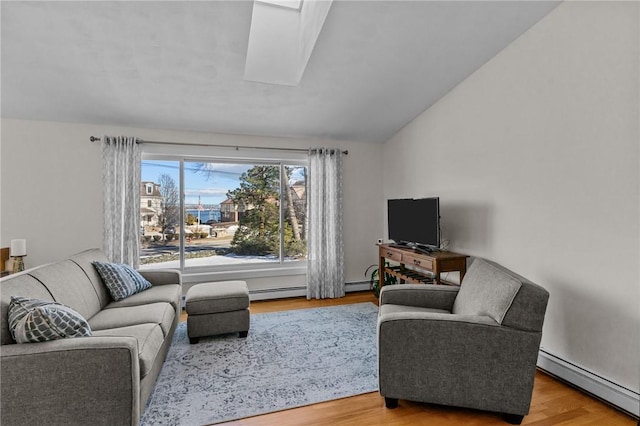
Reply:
x=121 y=202
x=325 y=260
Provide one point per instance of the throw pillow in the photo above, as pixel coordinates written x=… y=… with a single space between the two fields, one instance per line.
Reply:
x=487 y=289
x=35 y=320
x=140 y=281
x=121 y=280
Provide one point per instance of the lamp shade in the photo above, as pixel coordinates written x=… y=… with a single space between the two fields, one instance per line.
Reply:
x=18 y=248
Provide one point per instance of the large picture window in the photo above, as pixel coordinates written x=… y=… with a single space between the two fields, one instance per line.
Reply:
x=222 y=214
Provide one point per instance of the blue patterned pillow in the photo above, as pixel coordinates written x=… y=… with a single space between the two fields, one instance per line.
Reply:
x=140 y=281
x=121 y=280
x=35 y=320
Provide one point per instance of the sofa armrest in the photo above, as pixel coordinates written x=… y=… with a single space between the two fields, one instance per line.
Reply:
x=419 y=295
x=162 y=276
x=83 y=381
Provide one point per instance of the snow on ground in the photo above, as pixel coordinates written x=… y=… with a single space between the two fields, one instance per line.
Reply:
x=227 y=260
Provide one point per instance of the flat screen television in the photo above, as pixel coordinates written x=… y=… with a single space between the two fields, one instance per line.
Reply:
x=414 y=222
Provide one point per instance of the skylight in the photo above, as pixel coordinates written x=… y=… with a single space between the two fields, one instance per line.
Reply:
x=291 y=4
x=282 y=37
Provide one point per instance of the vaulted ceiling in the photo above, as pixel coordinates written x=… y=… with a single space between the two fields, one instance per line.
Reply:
x=376 y=65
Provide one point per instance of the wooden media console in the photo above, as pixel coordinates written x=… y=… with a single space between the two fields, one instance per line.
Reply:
x=417 y=267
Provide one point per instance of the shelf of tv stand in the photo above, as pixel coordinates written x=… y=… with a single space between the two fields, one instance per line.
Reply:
x=409 y=275
x=418 y=267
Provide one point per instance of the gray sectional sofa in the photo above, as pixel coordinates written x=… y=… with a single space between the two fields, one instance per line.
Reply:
x=103 y=379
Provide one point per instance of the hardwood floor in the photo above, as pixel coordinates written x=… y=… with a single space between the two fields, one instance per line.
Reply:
x=553 y=403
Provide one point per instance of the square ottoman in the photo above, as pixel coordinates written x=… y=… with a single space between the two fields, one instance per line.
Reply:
x=217 y=308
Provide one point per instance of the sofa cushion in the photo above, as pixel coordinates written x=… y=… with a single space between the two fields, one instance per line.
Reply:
x=84 y=261
x=69 y=285
x=162 y=314
x=169 y=293
x=17 y=285
x=35 y=320
x=149 y=337
x=121 y=280
x=486 y=290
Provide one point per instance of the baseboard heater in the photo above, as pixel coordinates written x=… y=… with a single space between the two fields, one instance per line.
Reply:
x=277 y=293
x=591 y=383
x=299 y=291
x=280 y=293
x=270 y=293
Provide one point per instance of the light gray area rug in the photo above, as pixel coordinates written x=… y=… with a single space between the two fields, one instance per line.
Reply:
x=290 y=359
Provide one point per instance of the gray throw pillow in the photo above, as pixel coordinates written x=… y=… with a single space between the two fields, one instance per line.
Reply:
x=121 y=280
x=487 y=289
x=36 y=320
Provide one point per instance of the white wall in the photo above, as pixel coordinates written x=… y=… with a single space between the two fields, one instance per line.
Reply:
x=535 y=158
x=51 y=190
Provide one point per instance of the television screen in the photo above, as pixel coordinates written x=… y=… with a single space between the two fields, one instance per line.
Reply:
x=414 y=221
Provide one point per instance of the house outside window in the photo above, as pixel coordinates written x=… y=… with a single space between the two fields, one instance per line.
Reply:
x=149 y=204
x=225 y=214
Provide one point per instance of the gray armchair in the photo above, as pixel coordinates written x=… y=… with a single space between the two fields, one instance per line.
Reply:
x=472 y=346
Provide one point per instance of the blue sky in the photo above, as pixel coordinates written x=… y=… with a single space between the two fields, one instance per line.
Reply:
x=211 y=187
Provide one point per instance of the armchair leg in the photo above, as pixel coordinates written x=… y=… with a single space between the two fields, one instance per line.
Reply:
x=391 y=402
x=513 y=419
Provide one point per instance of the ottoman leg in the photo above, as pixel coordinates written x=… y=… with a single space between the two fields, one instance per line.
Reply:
x=194 y=340
x=244 y=333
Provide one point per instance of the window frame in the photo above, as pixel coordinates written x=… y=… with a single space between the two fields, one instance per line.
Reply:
x=217 y=155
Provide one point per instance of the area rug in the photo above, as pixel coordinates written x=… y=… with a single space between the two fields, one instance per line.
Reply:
x=289 y=359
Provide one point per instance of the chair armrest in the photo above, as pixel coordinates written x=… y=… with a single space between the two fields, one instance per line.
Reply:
x=162 y=276
x=83 y=381
x=414 y=318
x=420 y=295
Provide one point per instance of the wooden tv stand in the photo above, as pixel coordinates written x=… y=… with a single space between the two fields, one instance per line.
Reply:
x=416 y=267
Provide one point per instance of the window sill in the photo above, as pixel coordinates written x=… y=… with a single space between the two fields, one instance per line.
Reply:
x=198 y=276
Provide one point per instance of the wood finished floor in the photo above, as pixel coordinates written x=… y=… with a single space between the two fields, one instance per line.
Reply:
x=553 y=403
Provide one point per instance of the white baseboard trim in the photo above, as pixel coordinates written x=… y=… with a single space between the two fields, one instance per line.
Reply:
x=268 y=294
x=277 y=293
x=281 y=293
x=358 y=286
x=300 y=291
x=619 y=396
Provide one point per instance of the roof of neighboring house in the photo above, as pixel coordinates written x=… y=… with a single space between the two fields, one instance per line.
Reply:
x=154 y=193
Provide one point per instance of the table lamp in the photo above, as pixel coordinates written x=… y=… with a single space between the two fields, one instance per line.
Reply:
x=18 y=250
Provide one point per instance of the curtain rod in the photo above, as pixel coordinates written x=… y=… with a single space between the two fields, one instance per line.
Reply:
x=237 y=147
